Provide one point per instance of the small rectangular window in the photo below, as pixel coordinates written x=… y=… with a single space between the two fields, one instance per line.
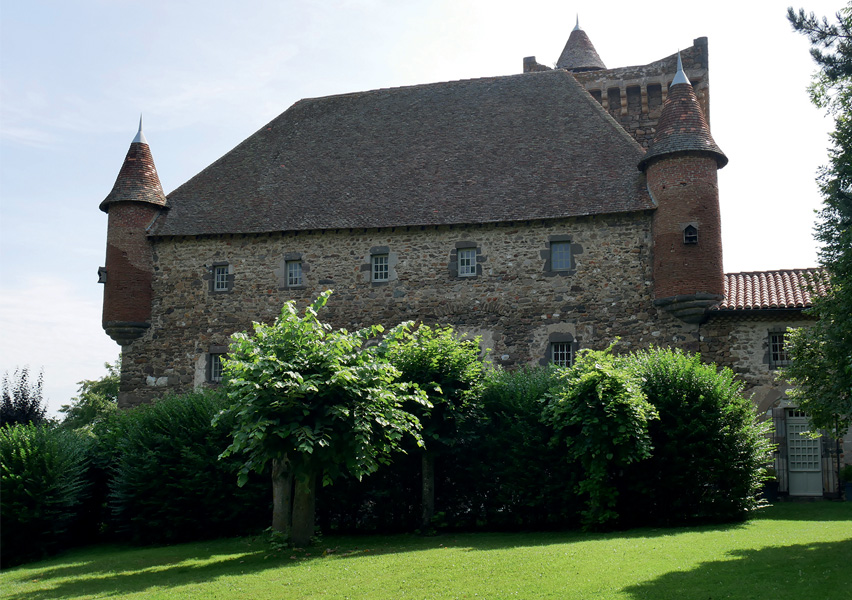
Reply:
x=220 y=278
x=381 y=271
x=467 y=262
x=214 y=368
x=562 y=353
x=560 y=256
x=294 y=273
x=778 y=356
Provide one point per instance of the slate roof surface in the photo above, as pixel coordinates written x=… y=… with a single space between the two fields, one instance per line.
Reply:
x=784 y=289
x=682 y=128
x=137 y=180
x=518 y=147
x=579 y=53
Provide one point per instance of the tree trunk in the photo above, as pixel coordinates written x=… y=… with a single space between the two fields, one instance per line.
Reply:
x=282 y=496
x=304 y=508
x=428 y=479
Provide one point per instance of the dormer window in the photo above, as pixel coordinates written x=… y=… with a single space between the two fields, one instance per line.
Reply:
x=690 y=234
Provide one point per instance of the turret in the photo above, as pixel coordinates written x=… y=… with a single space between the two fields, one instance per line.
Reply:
x=681 y=167
x=579 y=54
x=134 y=202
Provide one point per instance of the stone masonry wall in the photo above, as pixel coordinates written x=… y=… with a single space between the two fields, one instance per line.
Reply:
x=513 y=302
x=742 y=344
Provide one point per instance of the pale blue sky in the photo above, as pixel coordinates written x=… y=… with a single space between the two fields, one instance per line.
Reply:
x=75 y=75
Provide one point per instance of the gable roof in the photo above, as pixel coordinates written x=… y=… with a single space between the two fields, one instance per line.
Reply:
x=518 y=147
x=772 y=290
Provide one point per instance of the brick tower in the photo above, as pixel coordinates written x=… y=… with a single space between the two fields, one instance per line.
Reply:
x=681 y=167
x=134 y=202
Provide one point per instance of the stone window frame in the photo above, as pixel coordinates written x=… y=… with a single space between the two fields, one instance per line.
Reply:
x=453 y=265
x=573 y=250
x=367 y=267
x=289 y=259
x=212 y=275
x=213 y=373
x=555 y=340
x=777 y=350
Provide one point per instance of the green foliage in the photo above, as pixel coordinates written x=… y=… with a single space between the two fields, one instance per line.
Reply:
x=22 y=401
x=821 y=367
x=168 y=484
x=709 y=448
x=43 y=478
x=318 y=398
x=96 y=399
x=324 y=402
x=523 y=479
x=449 y=369
x=600 y=415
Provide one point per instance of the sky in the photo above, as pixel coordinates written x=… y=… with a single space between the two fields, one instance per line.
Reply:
x=75 y=77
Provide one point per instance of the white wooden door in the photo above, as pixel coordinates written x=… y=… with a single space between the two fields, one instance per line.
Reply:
x=804 y=460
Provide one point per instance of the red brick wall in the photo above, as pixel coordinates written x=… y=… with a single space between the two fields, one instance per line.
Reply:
x=127 y=292
x=686 y=191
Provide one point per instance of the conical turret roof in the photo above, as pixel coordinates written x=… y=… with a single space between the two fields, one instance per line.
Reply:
x=579 y=54
x=137 y=180
x=682 y=127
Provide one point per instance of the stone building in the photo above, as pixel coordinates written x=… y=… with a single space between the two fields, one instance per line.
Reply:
x=546 y=211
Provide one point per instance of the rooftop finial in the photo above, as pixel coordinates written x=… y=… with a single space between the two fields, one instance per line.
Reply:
x=577 y=26
x=140 y=137
x=680 y=76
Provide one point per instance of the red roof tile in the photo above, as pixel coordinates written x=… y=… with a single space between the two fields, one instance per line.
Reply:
x=137 y=180
x=789 y=288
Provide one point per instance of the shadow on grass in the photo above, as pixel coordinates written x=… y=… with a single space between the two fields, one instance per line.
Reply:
x=167 y=573
x=819 y=570
x=117 y=570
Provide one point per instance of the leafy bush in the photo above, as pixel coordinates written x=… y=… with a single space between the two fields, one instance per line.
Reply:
x=709 y=448
x=600 y=416
x=43 y=478
x=519 y=477
x=168 y=484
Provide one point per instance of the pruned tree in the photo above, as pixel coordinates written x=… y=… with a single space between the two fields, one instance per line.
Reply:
x=22 y=401
x=821 y=356
x=599 y=415
x=450 y=370
x=311 y=403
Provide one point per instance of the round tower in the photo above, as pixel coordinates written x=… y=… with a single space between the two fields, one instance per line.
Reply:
x=681 y=169
x=134 y=202
x=579 y=54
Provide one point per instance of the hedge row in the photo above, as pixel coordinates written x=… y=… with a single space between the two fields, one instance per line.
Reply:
x=655 y=438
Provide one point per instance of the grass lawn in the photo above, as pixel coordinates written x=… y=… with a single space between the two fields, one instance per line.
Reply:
x=789 y=551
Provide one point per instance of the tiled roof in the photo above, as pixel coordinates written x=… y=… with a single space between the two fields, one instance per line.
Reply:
x=137 y=180
x=519 y=147
x=758 y=290
x=682 y=128
x=579 y=54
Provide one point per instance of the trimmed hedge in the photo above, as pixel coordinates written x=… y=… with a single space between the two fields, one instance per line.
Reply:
x=43 y=476
x=168 y=484
x=709 y=447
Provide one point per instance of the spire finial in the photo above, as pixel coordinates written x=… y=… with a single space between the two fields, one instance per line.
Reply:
x=680 y=76
x=577 y=26
x=140 y=137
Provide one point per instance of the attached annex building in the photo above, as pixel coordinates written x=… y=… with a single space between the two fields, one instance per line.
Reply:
x=546 y=211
